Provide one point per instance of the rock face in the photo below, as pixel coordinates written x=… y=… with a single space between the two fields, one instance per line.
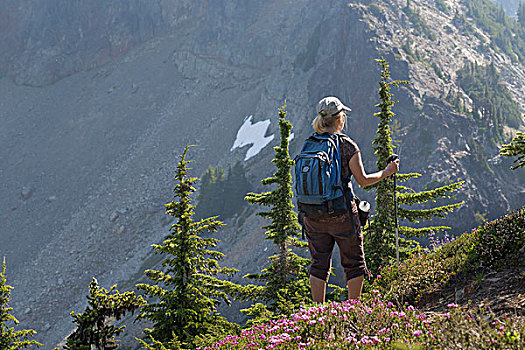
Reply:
x=99 y=99
x=43 y=41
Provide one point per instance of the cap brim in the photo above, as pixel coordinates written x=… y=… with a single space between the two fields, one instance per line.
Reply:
x=343 y=108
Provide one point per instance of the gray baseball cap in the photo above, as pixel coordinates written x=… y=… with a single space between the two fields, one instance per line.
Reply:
x=330 y=106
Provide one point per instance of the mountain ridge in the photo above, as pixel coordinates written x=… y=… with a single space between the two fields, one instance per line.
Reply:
x=95 y=149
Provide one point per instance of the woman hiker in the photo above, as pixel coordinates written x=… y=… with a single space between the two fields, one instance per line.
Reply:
x=323 y=233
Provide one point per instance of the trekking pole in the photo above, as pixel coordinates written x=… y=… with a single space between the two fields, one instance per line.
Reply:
x=390 y=159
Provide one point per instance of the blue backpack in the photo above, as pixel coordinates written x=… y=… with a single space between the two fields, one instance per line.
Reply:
x=320 y=190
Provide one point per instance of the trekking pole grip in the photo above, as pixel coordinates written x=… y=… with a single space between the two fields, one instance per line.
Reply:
x=392 y=158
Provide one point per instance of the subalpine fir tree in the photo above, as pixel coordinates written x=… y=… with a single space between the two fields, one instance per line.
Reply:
x=9 y=338
x=521 y=14
x=222 y=194
x=380 y=237
x=286 y=284
x=95 y=326
x=211 y=195
x=186 y=291
x=515 y=148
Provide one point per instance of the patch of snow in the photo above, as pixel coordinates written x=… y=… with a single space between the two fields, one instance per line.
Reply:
x=252 y=134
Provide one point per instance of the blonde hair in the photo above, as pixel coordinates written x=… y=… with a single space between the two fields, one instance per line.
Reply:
x=327 y=123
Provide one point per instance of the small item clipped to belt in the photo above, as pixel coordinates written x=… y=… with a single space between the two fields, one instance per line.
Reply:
x=363 y=209
x=300 y=218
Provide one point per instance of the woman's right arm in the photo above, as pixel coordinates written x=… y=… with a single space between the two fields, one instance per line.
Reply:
x=364 y=179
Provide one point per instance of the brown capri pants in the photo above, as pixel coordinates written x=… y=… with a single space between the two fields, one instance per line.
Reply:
x=323 y=233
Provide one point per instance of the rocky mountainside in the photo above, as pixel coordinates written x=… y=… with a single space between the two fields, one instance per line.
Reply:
x=97 y=101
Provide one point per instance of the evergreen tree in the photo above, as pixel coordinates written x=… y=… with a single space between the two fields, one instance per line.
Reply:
x=286 y=283
x=236 y=186
x=186 y=290
x=94 y=326
x=9 y=338
x=490 y=98
x=500 y=17
x=515 y=148
x=210 y=192
x=521 y=14
x=380 y=238
x=222 y=194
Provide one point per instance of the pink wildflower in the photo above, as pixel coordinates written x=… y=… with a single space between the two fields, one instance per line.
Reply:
x=383 y=331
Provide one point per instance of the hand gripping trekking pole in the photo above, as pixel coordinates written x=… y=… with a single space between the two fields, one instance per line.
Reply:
x=390 y=159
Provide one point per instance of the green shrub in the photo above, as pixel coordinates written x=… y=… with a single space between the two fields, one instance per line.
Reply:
x=376 y=10
x=93 y=326
x=505 y=34
x=501 y=242
x=496 y=244
x=490 y=98
x=222 y=193
x=418 y=23
x=425 y=271
x=379 y=324
x=9 y=338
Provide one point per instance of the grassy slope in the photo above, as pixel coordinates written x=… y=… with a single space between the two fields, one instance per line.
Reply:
x=456 y=288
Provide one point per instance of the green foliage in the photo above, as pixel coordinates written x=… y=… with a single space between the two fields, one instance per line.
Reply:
x=222 y=194
x=492 y=102
x=153 y=344
x=306 y=59
x=375 y=323
x=425 y=271
x=505 y=34
x=515 y=148
x=186 y=291
x=286 y=284
x=437 y=70
x=380 y=238
x=521 y=14
x=9 y=338
x=419 y=24
x=376 y=10
x=494 y=245
x=500 y=242
x=384 y=319
x=94 y=326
